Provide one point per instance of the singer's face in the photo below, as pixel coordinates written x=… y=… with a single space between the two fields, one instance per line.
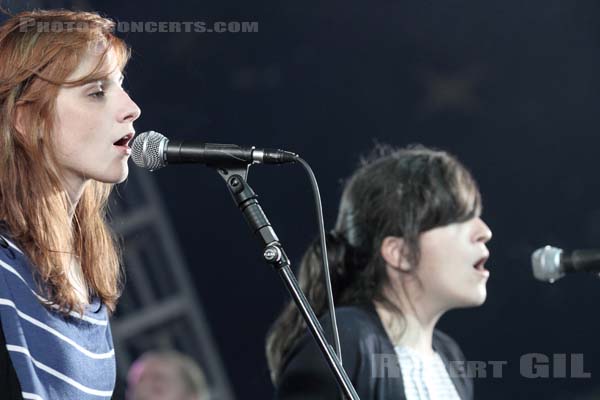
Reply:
x=90 y=120
x=451 y=267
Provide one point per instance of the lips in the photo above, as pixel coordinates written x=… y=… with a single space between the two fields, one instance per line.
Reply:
x=124 y=141
x=479 y=266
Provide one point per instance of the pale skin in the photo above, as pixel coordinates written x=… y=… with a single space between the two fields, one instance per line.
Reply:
x=89 y=119
x=445 y=278
x=161 y=380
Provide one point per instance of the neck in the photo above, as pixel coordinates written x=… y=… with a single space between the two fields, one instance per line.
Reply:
x=74 y=190
x=414 y=326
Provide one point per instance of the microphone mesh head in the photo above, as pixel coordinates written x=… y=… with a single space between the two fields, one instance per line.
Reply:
x=546 y=264
x=148 y=150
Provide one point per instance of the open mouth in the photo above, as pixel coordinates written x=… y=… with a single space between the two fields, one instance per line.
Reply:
x=124 y=141
x=480 y=265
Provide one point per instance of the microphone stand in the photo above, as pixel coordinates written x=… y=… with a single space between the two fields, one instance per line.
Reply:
x=274 y=254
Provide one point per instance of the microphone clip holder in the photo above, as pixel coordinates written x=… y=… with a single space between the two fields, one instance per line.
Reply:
x=274 y=254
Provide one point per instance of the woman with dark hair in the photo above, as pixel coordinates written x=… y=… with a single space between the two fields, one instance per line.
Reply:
x=65 y=125
x=408 y=245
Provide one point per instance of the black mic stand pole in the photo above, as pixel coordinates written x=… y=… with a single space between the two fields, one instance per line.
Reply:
x=274 y=254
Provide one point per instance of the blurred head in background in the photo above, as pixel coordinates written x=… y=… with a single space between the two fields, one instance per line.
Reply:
x=166 y=375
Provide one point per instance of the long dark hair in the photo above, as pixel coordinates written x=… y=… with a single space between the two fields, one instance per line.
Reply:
x=394 y=192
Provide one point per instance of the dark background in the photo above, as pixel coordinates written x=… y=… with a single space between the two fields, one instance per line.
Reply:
x=509 y=87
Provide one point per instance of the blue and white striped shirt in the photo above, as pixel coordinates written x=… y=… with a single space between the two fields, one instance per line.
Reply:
x=55 y=356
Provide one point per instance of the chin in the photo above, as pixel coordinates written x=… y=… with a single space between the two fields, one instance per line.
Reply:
x=117 y=177
x=475 y=299
x=479 y=301
x=122 y=178
x=479 y=298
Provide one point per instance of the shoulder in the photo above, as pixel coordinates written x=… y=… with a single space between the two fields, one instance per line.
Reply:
x=357 y=318
x=10 y=253
x=9 y=250
x=15 y=267
x=358 y=326
x=360 y=333
x=306 y=375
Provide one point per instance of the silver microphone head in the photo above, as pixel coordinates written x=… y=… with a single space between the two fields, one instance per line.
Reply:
x=546 y=264
x=148 y=150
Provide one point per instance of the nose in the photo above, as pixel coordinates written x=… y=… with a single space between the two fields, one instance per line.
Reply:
x=129 y=111
x=482 y=232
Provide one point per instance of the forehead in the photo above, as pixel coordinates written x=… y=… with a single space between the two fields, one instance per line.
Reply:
x=97 y=61
x=159 y=365
x=161 y=369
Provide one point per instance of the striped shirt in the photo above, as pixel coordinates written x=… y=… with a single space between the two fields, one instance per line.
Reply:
x=424 y=379
x=54 y=356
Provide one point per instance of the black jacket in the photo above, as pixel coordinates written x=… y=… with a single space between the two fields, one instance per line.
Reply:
x=368 y=357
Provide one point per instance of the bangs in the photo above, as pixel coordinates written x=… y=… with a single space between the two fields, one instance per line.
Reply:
x=467 y=199
x=61 y=61
x=454 y=195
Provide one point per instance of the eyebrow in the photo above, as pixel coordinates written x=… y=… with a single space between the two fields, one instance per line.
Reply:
x=104 y=81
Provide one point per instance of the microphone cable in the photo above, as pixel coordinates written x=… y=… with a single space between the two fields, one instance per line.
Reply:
x=325 y=260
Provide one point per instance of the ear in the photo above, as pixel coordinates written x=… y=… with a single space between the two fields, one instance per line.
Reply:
x=393 y=252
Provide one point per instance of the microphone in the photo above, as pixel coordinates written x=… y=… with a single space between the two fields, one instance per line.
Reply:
x=551 y=263
x=152 y=151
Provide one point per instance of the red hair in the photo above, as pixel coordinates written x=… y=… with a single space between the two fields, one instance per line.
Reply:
x=35 y=62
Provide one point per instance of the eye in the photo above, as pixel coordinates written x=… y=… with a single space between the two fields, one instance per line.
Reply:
x=99 y=90
x=97 y=94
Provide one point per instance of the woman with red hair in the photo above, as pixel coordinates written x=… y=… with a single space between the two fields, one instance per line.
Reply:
x=65 y=126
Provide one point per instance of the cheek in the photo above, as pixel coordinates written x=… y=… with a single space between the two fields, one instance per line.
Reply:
x=440 y=272
x=431 y=274
x=76 y=124
x=66 y=144
x=66 y=128
x=75 y=137
x=436 y=259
